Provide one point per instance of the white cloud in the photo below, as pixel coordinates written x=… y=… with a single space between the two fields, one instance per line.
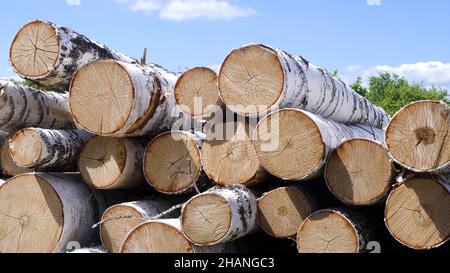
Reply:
x=73 y=2
x=374 y=2
x=181 y=10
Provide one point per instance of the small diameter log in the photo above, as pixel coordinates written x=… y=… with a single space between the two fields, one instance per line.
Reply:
x=49 y=54
x=172 y=163
x=43 y=149
x=283 y=210
x=112 y=163
x=418 y=137
x=360 y=172
x=255 y=79
x=294 y=144
x=90 y=250
x=219 y=215
x=417 y=213
x=38 y=213
x=117 y=99
x=120 y=219
x=229 y=156
x=333 y=231
x=23 y=106
x=9 y=167
x=165 y=236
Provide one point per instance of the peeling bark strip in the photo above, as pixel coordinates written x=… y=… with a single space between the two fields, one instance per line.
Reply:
x=219 y=215
x=8 y=166
x=50 y=55
x=417 y=212
x=23 y=106
x=172 y=163
x=334 y=231
x=294 y=144
x=269 y=78
x=43 y=149
x=418 y=137
x=112 y=163
x=360 y=172
x=117 y=99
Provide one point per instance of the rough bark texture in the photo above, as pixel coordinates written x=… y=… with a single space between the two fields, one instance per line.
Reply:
x=22 y=106
x=59 y=149
x=75 y=50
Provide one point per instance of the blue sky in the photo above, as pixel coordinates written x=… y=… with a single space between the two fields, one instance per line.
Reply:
x=358 y=37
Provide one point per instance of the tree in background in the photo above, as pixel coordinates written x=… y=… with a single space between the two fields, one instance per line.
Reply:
x=391 y=92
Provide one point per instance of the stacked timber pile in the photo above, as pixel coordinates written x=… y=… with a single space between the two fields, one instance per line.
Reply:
x=125 y=157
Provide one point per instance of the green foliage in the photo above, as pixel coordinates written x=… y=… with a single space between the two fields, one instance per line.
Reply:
x=391 y=92
x=32 y=84
x=335 y=73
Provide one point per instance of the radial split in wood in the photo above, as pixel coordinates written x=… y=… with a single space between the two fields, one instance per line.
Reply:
x=417 y=213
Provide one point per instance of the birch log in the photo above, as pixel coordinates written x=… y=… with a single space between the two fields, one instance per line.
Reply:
x=23 y=106
x=417 y=213
x=43 y=149
x=256 y=79
x=50 y=55
x=165 y=236
x=117 y=99
x=334 y=231
x=197 y=94
x=219 y=215
x=9 y=167
x=90 y=250
x=418 y=137
x=172 y=163
x=360 y=172
x=294 y=144
x=121 y=219
x=229 y=157
x=112 y=163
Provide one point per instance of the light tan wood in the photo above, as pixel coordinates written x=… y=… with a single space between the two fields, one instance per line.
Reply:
x=418 y=136
x=35 y=49
x=295 y=148
x=206 y=219
x=172 y=162
x=9 y=167
x=327 y=232
x=102 y=161
x=229 y=157
x=251 y=79
x=34 y=224
x=282 y=211
x=26 y=148
x=417 y=213
x=196 y=92
x=359 y=172
x=101 y=96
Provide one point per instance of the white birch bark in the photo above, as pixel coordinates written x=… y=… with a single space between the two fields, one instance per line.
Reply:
x=90 y=250
x=22 y=106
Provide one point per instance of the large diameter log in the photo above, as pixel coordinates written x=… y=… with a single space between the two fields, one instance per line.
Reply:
x=219 y=215
x=112 y=163
x=43 y=149
x=418 y=137
x=8 y=166
x=294 y=144
x=197 y=94
x=172 y=163
x=417 y=213
x=112 y=98
x=334 y=231
x=255 y=79
x=121 y=219
x=165 y=236
x=23 y=106
x=360 y=172
x=38 y=213
x=229 y=156
x=49 y=54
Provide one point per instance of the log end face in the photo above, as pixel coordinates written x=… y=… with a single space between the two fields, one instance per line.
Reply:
x=9 y=167
x=35 y=49
x=251 y=80
x=25 y=148
x=289 y=144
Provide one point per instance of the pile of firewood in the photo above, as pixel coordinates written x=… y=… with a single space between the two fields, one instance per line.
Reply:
x=125 y=156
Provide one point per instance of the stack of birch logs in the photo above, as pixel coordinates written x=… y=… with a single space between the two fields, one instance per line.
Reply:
x=127 y=157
